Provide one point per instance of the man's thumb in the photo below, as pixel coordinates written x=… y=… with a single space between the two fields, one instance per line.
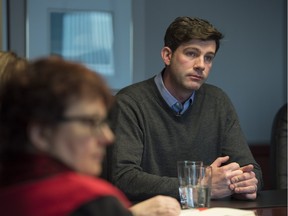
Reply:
x=219 y=161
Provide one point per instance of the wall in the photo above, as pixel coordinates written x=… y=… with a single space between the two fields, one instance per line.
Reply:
x=17 y=24
x=251 y=63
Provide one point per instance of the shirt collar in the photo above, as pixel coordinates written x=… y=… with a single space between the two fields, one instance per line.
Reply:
x=170 y=99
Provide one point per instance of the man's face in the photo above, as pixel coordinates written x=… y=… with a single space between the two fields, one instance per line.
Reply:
x=188 y=67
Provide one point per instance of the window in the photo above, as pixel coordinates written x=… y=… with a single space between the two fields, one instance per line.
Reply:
x=84 y=36
x=96 y=33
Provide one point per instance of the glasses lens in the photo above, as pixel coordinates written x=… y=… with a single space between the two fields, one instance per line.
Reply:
x=95 y=124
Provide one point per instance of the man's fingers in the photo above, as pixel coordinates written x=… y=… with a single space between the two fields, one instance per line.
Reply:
x=249 y=189
x=246 y=183
x=243 y=177
x=219 y=161
x=247 y=168
x=234 y=174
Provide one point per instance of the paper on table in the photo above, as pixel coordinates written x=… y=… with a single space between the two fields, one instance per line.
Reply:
x=189 y=212
x=217 y=212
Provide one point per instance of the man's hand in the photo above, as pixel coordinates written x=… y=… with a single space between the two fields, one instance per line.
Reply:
x=222 y=175
x=245 y=184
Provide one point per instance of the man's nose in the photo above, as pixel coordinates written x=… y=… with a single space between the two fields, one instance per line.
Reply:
x=199 y=64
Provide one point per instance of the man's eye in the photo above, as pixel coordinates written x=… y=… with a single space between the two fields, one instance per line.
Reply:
x=191 y=54
x=209 y=58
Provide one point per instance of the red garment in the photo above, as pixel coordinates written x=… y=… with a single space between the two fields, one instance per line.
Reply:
x=58 y=194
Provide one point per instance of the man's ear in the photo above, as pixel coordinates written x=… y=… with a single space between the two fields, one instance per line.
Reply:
x=166 y=54
x=39 y=137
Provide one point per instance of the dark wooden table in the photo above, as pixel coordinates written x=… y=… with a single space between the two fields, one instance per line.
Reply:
x=275 y=211
x=268 y=203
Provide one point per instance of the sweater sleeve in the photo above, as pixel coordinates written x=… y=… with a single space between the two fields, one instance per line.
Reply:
x=234 y=143
x=126 y=167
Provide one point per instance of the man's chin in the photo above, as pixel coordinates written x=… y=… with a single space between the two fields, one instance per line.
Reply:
x=195 y=87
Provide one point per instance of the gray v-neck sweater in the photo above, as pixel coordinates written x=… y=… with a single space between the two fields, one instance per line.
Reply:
x=151 y=138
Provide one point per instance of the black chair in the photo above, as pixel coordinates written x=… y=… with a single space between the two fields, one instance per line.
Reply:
x=279 y=150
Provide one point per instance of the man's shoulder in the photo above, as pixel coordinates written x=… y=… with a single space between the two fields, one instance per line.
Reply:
x=138 y=90
x=210 y=87
x=211 y=90
x=212 y=94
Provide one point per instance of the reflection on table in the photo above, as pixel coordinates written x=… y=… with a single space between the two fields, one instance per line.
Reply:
x=268 y=203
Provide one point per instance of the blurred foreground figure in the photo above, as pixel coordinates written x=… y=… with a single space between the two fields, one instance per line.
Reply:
x=9 y=59
x=53 y=137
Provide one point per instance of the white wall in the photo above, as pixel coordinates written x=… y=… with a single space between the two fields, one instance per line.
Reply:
x=251 y=63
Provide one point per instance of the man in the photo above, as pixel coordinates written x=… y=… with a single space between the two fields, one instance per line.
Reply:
x=176 y=116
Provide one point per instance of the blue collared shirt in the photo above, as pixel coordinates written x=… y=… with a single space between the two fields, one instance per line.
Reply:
x=170 y=99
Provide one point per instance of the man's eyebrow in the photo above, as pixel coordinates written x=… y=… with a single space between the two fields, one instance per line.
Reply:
x=198 y=50
x=192 y=48
x=211 y=53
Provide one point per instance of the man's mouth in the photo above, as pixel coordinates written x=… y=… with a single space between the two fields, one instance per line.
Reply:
x=195 y=77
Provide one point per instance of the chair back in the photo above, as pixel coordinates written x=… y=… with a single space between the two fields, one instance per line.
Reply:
x=279 y=149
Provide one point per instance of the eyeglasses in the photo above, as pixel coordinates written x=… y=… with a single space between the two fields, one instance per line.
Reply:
x=95 y=124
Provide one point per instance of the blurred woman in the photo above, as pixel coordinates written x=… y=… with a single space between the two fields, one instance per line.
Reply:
x=53 y=137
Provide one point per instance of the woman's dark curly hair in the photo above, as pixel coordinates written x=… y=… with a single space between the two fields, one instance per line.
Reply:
x=40 y=93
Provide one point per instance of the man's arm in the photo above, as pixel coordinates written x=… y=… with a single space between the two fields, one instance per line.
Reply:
x=236 y=147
